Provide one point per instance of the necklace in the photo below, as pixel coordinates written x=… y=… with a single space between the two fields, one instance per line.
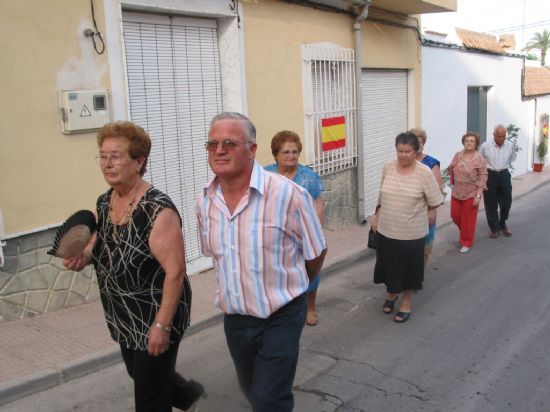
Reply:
x=126 y=214
x=469 y=158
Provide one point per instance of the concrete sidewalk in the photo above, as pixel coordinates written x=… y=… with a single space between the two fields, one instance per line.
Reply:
x=52 y=348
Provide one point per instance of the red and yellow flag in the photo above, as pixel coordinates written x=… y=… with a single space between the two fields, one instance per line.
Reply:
x=333 y=133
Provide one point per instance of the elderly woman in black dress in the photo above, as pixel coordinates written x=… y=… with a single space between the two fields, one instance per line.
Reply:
x=407 y=191
x=138 y=255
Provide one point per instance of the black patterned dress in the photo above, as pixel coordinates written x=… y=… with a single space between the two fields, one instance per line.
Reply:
x=130 y=279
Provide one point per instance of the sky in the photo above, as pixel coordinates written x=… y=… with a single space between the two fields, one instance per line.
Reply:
x=494 y=17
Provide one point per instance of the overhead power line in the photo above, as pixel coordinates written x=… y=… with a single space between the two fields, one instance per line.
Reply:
x=525 y=26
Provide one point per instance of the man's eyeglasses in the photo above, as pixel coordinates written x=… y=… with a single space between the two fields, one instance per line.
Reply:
x=290 y=153
x=115 y=159
x=227 y=145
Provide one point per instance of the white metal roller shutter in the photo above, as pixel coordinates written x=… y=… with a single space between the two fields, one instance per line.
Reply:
x=174 y=88
x=385 y=115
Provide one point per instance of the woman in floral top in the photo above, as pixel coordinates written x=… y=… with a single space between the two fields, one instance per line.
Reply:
x=286 y=148
x=468 y=173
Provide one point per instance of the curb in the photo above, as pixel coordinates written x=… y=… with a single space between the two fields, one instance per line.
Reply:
x=28 y=384
x=47 y=378
x=18 y=388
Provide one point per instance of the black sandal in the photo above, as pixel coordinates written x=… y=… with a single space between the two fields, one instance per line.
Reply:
x=403 y=315
x=389 y=304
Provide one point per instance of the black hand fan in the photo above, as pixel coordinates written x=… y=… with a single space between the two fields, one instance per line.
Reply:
x=73 y=236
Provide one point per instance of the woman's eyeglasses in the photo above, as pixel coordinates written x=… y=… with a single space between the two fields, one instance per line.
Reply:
x=287 y=153
x=227 y=145
x=115 y=159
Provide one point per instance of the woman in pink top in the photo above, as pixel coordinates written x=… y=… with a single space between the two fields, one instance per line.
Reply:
x=468 y=177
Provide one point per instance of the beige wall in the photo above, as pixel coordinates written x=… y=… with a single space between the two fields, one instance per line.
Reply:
x=45 y=175
x=274 y=32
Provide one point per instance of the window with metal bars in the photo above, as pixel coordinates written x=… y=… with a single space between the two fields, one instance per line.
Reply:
x=329 y=107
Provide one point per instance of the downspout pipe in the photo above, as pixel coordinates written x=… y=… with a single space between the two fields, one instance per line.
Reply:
x=362 y=16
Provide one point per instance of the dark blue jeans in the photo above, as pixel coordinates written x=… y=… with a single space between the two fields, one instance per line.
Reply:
x=265 y=354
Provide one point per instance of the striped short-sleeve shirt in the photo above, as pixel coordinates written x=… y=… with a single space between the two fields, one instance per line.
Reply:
x=404 y=201
x=259 y=251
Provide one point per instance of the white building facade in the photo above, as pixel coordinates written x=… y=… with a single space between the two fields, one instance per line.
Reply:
x=464 y=89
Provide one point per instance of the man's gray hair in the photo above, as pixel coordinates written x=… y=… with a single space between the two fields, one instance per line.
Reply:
x=499 y=126
x=250 y=128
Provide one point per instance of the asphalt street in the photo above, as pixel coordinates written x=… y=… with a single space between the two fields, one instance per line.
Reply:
x=477 y=339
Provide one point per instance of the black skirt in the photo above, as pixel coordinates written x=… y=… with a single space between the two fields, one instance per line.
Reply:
x=399 y=264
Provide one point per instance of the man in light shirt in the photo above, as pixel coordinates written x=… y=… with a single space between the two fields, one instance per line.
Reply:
x=266 y=241
x=499 y=154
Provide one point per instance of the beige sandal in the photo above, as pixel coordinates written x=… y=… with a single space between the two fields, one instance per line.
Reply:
x=312 y=319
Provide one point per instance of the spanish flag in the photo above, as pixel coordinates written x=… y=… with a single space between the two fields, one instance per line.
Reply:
x=333 y=133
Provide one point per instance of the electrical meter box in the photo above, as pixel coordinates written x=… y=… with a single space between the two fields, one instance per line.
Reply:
x=84 y=110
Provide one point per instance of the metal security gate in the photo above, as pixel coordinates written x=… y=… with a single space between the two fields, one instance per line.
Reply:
x=174 y=88
x=385 y=115
x=329 y=91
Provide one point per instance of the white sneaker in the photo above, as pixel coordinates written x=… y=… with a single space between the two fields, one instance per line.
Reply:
x=464 y=249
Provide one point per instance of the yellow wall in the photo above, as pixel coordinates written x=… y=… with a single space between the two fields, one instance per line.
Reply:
x=389 y=47
x=273 y=36
x=44 y=174
x=274 y=32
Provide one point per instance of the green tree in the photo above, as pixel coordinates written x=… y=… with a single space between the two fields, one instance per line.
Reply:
x=513 y=135
x=540 y=41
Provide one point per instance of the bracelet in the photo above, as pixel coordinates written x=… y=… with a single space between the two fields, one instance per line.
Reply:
x=165 y=328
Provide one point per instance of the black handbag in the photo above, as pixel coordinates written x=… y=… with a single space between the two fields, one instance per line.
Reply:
x=372 y=242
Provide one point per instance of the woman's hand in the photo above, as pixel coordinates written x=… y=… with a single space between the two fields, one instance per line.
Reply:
x=374 y=225
x=77 y=263
x=476 y=201
x=431 y=216
x=158 y=341
x=374 y=222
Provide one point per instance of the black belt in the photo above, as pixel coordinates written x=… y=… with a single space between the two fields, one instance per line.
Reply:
x=497 y=170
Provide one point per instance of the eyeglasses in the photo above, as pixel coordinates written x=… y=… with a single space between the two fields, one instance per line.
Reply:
x=227 y=145
x=290 y=153
x=115 y=159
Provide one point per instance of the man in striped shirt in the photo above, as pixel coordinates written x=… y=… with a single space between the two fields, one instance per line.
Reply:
x=266 y=242
x=499 y=154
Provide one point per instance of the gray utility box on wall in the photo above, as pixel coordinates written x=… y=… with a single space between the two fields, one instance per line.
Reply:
x=84 y=110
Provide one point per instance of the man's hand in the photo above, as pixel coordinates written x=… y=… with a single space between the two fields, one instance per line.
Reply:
x=313 y=267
